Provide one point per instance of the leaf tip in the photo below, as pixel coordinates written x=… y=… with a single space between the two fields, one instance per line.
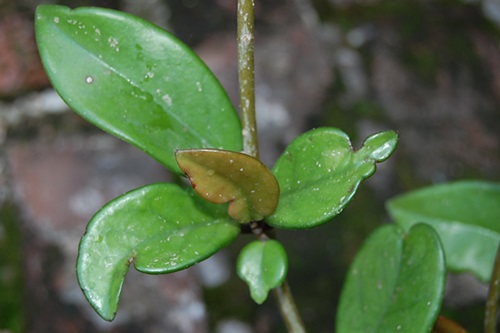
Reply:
x=380 y=146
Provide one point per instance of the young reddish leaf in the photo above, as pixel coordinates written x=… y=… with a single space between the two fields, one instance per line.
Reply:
x=222 y=176
x=263 y=266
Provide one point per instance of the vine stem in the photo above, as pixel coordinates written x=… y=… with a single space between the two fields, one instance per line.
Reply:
x=490 y=320
x=246 y=76
x=288 y=309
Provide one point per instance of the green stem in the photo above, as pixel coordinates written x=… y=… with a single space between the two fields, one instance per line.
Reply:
x=490 y=321
x=246 y=74
x=288 y=309
x=283 y=294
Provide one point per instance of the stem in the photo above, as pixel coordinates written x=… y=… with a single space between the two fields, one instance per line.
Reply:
x=288 y=309
x=490 y=320
x=246 y=73
x=283 y=294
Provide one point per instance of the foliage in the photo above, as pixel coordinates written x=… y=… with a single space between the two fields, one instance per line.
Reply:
x=12 y=316
x=465 y=212
x=144 y=86
x=263 y=266
x=224 y=176
x=135 y=81
x=396 y=282
x=160 y=228
x=319 y=173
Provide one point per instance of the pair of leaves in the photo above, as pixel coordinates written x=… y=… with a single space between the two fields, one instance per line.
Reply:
x=396 y=282
x=466 y=216
x=318 y=174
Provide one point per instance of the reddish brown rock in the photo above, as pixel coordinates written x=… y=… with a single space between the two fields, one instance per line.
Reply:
x=20 y=66
x=59 y=185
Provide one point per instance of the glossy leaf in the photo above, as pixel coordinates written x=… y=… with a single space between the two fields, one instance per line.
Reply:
x=160 y=228
x=320 y=172
x=222 y=176
x=465 y=214
x=135 y=81
x=263 y=266
x=395 y=284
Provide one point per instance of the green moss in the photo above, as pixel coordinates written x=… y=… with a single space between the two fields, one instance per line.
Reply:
x=405 y=14
x=470 y=317
x=429 y=36
x=423 y=61
x=368 y=109
x=11 y=277
x=346 y=115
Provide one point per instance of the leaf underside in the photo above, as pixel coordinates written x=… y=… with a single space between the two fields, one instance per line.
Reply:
x=160 y=228
x=395 y=284
x=222 y=176
x=466 y=216
x=135 y=81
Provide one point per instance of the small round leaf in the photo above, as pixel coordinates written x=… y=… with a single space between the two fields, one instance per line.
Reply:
x=263 y=266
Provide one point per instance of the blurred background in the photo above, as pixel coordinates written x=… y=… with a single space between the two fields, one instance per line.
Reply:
x=429 y=69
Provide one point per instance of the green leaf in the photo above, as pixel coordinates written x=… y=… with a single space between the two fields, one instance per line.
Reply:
x=221 y=176
x=160 y=228
x=263 y=266
x=395 y=284
x=135 y=81
x=465 y=214
x=320 y=172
